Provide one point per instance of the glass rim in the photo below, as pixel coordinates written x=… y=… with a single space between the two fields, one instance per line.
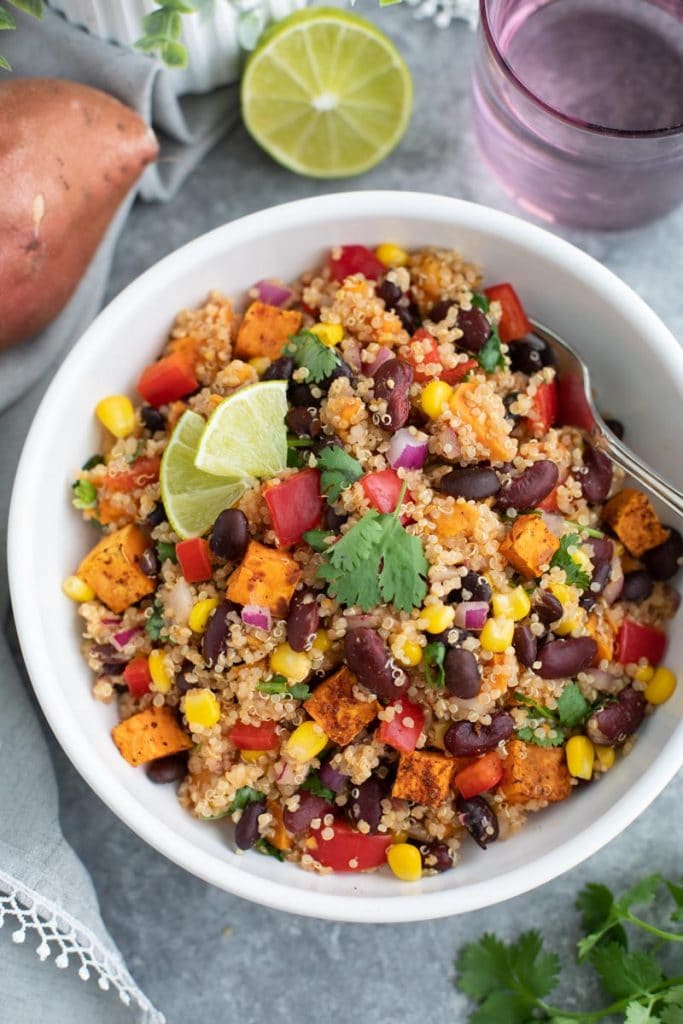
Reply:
x=574 y=122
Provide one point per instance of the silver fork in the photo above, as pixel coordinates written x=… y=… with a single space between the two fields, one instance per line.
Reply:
x=570 y=362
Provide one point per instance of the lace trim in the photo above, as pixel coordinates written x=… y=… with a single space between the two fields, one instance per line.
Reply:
x=66 y=939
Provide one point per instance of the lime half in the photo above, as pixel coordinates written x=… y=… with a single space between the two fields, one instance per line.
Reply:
x=246 y=434
x=326 y=93
x=193 y=499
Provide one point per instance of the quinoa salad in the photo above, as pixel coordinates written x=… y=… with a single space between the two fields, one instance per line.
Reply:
x=360 y=583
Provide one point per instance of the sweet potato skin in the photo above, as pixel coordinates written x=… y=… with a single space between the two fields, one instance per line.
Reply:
x=529 y=545
x=148 y=735
x=112 y=569
x=69 y=154
x=264 y=330
x=423 y=778
x=634 y=520
x=339 y=714
x=266 y=577
x=534 y=773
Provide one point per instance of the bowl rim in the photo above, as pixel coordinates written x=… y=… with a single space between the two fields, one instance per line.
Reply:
x=279 y=895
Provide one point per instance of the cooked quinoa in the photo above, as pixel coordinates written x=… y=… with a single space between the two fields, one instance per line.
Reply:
x=445 y=613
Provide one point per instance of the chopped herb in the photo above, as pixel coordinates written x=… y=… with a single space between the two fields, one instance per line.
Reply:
x=299 y=442
x=433 y=659
x=541 y=710
x=166 y=550
x=572 y=706
x=339 y=471
x=94 y=460
x=312 y=784
x=551 y=737
x=244 y=796
x=318 y=539
x=267 y=849
x=491 y=357
x=562 y=559
x=84 y=494
x=588 y=530
x=155 y=623
x=138 y=448
x=479 y=301
x=295 y=459
x=308 y=351
x=377 y=562
x=279 y=685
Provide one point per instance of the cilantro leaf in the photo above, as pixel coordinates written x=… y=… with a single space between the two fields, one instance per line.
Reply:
x=138 y=448
x=676 y=893
x=94 y=460
x=506 y=979
x=312 y=784
x=640 y=894
x=576 y=576
x=244 y=796
x=278 y=684
x=625 y=973
x=155 y=623
x=541 y=710
x=318 y=539
x=308 y=351
x=339 y=471
x=596 y=903
x=637 y=1013
x=433 y=659
x=267 y=849
x=403 y=566
x=553 y=737
x=166 y=550
x=480 y=301
x=84 y=494
x=670 y=1015
x=572 y=706
x=491 y=357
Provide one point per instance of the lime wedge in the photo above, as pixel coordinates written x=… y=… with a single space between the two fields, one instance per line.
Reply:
x=246 y=434
x=192 y=499
x=326 y=93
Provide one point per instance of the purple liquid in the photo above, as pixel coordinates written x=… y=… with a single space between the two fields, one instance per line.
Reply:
x=598 y=67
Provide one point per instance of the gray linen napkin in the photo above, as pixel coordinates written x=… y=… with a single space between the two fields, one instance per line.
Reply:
x=47 y=902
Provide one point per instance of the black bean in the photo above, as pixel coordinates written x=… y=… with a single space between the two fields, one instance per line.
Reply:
x=617 y=428
x=392 y=384
x=531 y=486
x=469 y=739
x=246 y=829
x=473 y=588
x=509 y=401
x=531 y=355
x=587 y=601
x=302 y=619
x=638 y=585
x=167 y=769
x=333 y=520
x=310 y=807
x=302 y=422
x=596 y=479
x=112 y=668
x=479 y=818
x=409 y=315
x=562 y=659
x=157 y=515
x=664 y=561
x=462 y=674
x=435 y=857
x=525 y=645
x=474 y=483
x=301 y=395
x=390 y=293
x=333 y=779
x=182 y=681
x=618 y=720
x=547 y=607
x=439 y=312
x=279 y=369
x=366 y=802
x=368 y=658
x=230 y=535
x=149 y=562
x=152 y=419
x=342 y=369
x=475 y=329
x=215 y=637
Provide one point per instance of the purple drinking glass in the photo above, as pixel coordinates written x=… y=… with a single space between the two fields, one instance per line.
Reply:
x=578 y=107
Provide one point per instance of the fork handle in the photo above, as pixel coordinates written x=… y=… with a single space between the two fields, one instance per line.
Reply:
x=643 y=473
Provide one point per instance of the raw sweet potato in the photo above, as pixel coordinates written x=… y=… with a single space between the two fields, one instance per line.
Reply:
x=69 y=154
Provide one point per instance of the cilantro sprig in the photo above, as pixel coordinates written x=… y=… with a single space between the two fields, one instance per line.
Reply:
x=307 y=350
x=278 y=685
x=338 y=471
x=166 y=550
x=490 y=357
x=312 y=784
x=155 y=624
x=244 y=796
x=576 y=576
x=318 y=539
x=84 y=494
x=509 y=981
x=376 y=562
x=432 y=662
x=572 y=709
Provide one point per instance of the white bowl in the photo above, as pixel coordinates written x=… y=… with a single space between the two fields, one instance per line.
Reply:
x=638 y=368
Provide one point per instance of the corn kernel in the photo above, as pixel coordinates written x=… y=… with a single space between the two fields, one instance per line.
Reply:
x=515 y=604
x=497 y=634
x=329 y=334
x=391 y=255
x=581 y=559
x=405 y=861
x=661 y=686
x=77 y=589
x=570 y=623
x=564 y=594
x=260 y=364
x=199 y=616
x=604 y=757
x=434 y=618
x=252 y=755
x=435 y=397
x=399 y=837
x=117 y=414
x=322 y=641
x=293 y=665
x=202 y=708
x=644 y=673
x=306 y=742
x=161 y=677
x=408 y=653
x=580 y=755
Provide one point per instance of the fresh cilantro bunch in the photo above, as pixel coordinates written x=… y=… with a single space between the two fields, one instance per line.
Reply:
x=509 y=981
x=572 y=709
x=308 y=350
x=490 y=357
x=576 y=576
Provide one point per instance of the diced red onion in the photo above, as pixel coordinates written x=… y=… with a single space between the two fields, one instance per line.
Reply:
x=273 y=293
x=471 y=614
x=286 y=773
x=380 y=358
x=352 y=356
x=256 y=616
x=613 y=589
x=111 y=622
x=180 y=601
x=122 y=638
x=554 y=523
x=332 y=778
x=406 y=451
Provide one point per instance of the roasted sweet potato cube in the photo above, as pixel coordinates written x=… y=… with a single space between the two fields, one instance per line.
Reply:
x=266 y=577
x=278 y=835
x=460 y=519
x=337 y=711
x=534 y=773
x=603 y=634
x=264 y=330
x=150 y=734
x=113 y=570
x=634 y=520
x=475 y=403
x=423 y=778
x=529 y=546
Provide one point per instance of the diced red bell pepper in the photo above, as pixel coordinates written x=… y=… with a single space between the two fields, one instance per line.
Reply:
x=383 y=489
x=423 y=350
x=514 y=323
x=143 y=471
x=355 y=259
x=456 y=374
x=349 y=850
x=137 y=677
x=295 y=505
x=168 y=379
x=403 y=731
x=254 y=737
x=543 y=413
x=573 y=407
x=194 y=559
x=480 y=776
x=635 y=641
